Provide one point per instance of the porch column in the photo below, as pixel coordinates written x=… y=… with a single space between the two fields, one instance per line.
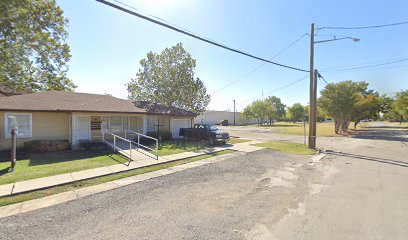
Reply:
x=144 y=124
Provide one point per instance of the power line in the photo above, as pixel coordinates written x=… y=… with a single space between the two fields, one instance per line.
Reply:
x=361 y=64
x=160 y=19
x=259 y=66
x=367 y=27
x=195 y=35
x=370 y=66
x=378 y=68
x=276 y=89
x=320 y=76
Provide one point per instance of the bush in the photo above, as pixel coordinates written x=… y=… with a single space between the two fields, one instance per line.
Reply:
x=46 y=145
x=162 y=136
x=86 y=144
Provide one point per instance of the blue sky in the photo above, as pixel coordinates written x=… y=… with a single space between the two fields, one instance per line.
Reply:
x=107 y=45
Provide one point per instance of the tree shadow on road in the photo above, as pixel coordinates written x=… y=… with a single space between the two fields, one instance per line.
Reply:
x=382 y=134
x=368 y=158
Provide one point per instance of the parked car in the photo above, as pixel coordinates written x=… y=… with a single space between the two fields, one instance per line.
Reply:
x=205 y=132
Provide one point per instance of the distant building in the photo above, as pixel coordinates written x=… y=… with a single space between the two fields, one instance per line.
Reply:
x=215 y=117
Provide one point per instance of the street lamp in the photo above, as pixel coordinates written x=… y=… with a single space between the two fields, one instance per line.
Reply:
x=336 y=39
x=313 y=84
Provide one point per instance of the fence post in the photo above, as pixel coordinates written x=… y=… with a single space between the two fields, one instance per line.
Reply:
x=138 y=140
x=103 y=136
x=13 y=149
x=125 y=134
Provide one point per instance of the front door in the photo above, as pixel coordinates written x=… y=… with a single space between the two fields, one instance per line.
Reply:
x=81 y=129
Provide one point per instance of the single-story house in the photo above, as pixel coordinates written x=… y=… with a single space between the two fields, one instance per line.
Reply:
x=72 y=116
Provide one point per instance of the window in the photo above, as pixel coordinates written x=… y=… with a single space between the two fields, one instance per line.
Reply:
x=105 y=124
x=21 y=121
x=115 y=124
x=150 y=123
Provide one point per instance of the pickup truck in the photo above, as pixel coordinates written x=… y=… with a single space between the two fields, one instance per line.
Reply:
x=205 y=132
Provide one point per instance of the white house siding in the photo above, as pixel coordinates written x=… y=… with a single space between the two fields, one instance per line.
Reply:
x=215 y=117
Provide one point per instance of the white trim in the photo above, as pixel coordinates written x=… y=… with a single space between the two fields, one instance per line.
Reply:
x=74 y=128
x=7 y=134
x=144 y=124
x=172 y=124
x=70 y=128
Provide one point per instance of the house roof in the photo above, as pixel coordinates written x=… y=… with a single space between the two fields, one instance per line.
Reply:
x=77 y=102
x=161 y=109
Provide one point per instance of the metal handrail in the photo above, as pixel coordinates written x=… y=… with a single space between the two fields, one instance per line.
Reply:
x=145 y=136
x=138 y=144
x=114 y=143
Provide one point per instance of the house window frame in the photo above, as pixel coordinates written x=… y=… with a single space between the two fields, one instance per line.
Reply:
x=154 y=117
x=7 y=135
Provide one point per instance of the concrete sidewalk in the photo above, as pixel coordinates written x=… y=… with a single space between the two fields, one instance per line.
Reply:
x=142 y=161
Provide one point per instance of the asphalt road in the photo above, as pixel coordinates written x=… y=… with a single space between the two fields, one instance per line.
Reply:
x=363 y=195
x=358 y=191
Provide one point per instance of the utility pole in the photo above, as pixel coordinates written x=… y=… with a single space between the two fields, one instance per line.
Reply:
x=234 y=111
x=312 y=101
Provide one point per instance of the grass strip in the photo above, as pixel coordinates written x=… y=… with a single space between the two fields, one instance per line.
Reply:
x=287 y=147
x=94 y=181
x=234 y=140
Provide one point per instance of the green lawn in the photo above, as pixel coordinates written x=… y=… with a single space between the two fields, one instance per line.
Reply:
x=234 y=140
x=177 y=147
x=90 y=182
x=289 y=128
x=322 y=129
x=287 y=147
x=48 y=164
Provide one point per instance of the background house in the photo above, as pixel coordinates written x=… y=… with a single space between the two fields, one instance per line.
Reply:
x=76 y=117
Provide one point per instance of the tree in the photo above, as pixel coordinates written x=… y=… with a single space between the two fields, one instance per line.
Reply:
x=368 y=106
x=275 y=109
x=268 y=109
x=248 y=113
x=400 y=104
x=168 y=78
x=296 y=112
x=259 y=109
x=33 y=48
x=339 y=100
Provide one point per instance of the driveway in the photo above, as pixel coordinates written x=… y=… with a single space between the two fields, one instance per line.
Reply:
x=358 y=191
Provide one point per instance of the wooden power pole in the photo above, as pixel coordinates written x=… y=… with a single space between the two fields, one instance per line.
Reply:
x=312 y=93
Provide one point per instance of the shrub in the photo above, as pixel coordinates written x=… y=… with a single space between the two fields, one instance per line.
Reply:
x=46 y=145
x=162 y=136
x=86 y=144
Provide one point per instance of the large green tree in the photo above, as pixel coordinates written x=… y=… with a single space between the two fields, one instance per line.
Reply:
x=167 y=78
x=275 y=109
x=269 y=109
x=368 y=106
x=400 y=104
x=33 y=48
x=339 y=100
x=296 y=112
